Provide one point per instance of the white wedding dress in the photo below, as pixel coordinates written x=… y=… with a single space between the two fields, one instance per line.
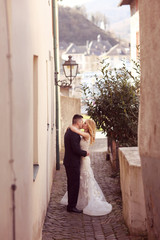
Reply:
x=90 y=199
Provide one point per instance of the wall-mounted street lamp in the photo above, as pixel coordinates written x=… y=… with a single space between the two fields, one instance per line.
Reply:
x=70 y=69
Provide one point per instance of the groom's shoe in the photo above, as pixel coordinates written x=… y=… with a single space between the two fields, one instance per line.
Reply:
x=74 y=209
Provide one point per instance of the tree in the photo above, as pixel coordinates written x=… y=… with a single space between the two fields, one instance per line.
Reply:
x=81 y=10
x=105 y=22
x=114 y=103
x=99 y=19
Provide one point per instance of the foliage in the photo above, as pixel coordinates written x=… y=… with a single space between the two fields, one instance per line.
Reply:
x=114 y=103
x=81 y=10
x=99 y=18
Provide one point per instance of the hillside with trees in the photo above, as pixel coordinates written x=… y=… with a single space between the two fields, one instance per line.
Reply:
x=75 y=27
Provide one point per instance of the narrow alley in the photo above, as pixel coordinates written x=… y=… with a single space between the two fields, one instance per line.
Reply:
x=61 y=225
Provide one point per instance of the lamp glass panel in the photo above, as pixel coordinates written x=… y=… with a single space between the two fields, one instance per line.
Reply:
x=70 y=70
x=67 y=70
x=74 y=70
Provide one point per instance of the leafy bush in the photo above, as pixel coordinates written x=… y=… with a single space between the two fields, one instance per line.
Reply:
x=114 y=103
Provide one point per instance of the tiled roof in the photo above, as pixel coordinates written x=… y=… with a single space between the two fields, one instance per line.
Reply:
x=63 y=45
x=94 y=47
x=73 y=48
x=102 y=45
x=117 y=50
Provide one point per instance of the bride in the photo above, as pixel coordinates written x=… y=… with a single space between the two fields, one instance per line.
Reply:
x=90 y=199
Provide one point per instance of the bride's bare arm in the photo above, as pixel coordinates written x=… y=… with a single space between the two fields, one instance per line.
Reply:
x=83 y=134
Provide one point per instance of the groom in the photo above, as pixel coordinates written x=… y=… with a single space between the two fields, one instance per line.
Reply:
x=71 y=162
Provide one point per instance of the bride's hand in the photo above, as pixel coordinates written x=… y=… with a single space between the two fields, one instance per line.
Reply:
x=78 y=131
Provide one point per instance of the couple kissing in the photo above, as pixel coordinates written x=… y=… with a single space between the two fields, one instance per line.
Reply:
x=83 y=192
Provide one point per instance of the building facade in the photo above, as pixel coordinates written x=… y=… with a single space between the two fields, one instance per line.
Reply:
x=118 y=55
x=27 y=116
x=149 y=115
x=149 y=127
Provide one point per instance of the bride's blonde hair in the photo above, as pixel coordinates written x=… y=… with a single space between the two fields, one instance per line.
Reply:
x=91 y=129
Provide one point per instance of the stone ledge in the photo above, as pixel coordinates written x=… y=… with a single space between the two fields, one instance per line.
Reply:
x=134 y=211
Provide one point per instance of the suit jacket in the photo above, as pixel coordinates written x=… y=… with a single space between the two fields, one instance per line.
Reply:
x=73 y=151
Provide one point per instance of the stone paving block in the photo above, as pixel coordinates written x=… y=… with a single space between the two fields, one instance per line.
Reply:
x=89 y=238
x=61 y=225
x=99 y=237
x=111 y=237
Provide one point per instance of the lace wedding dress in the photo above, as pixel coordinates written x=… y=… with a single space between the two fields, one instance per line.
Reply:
x=90 y=199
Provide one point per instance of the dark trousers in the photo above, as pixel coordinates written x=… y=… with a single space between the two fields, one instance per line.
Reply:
x=73 y=180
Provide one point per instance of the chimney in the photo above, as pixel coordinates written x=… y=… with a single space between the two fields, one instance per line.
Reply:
x=87 y=47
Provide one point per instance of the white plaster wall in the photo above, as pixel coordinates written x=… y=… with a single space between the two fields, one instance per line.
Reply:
x=149 y=127
x=6 y=176
x=134 y=28
x=42 y=41
x=134 y=25
x=31 y=34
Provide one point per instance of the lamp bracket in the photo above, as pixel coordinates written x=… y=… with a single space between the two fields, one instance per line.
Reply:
x=63 y=83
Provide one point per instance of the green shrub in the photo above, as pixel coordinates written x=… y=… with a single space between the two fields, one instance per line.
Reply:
x=114 y=103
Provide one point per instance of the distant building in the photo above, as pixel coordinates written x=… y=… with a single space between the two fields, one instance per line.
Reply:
x=98 y=47
x=95 y=47
x=63 y=46
x=87 y=56
x=117 y=55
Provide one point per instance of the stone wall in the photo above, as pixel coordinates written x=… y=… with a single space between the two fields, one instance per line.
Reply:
x=134 y=211
x=69 y=107
x=149 y=124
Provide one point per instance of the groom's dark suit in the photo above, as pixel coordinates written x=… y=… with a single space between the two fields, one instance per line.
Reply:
x=72 y=157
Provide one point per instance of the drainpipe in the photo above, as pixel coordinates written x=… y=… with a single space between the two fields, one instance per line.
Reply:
x=56 y=69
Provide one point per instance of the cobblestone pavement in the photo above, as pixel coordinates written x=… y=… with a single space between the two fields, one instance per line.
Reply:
x=61 y=225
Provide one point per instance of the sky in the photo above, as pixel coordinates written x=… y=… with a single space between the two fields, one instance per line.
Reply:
x=72 y=3
x=118 y=17
x=108 y=7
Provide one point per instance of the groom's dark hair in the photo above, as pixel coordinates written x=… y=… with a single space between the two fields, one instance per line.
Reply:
x=75 y=118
